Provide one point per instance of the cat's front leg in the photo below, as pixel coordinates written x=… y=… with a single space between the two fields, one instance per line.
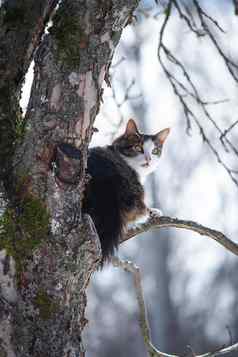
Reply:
x=150 y=212
x=141 y=219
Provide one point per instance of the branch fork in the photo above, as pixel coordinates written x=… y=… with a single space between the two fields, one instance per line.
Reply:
x=157 y=221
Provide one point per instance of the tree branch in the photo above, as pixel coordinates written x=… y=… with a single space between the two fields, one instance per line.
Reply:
x=156 y=221
x=143 y=320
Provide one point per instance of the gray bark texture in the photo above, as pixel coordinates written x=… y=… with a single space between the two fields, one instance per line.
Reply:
x=48 y=249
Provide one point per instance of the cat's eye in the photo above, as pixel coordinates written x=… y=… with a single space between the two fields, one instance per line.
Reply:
x=138 y=148
x=156 y=151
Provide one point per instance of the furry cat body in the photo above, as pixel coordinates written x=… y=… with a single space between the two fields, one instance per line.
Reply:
x=114 y=195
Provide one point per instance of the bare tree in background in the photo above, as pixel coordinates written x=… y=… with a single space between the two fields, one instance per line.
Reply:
x=195 y=104
x=164 y=316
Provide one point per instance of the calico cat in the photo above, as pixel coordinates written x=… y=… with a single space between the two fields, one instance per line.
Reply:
x=114 y=196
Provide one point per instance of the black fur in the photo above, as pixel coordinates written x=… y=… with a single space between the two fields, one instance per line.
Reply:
x=113 y=190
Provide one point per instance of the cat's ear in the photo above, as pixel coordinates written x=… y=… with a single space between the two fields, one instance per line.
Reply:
x=131 y=128
x=161 y=136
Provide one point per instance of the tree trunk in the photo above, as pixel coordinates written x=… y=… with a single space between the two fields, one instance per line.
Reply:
x=48 y=250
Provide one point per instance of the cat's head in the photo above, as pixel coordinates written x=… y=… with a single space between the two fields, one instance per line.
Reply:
x=141 y=151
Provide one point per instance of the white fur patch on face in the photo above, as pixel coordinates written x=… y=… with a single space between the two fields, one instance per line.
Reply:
x=144 y=163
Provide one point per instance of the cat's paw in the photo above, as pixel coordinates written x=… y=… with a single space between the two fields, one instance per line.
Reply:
x=155 y=212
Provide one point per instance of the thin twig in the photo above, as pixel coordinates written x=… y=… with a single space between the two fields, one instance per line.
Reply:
x=143 y=319
x=228 y=129
x=186 y=88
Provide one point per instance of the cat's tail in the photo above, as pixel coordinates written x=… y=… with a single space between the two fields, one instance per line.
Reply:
x=102 y=204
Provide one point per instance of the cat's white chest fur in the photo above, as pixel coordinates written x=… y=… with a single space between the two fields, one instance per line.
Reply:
x=143 y=172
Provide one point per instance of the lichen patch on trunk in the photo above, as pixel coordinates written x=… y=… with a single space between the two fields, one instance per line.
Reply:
x=7 y=277
x=55 y=97
x=6 y=347
x=87 y=90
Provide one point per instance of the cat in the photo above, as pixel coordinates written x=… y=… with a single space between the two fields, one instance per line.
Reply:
x=114 y=196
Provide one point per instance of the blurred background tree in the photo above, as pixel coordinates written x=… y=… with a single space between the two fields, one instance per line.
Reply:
x=190 y=85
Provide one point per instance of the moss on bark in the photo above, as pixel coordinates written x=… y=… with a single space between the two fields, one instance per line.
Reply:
x=23 y=229
x=47 y=307
x=72 y=41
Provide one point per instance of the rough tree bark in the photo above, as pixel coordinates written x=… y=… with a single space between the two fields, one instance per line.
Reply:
x=48 y=250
